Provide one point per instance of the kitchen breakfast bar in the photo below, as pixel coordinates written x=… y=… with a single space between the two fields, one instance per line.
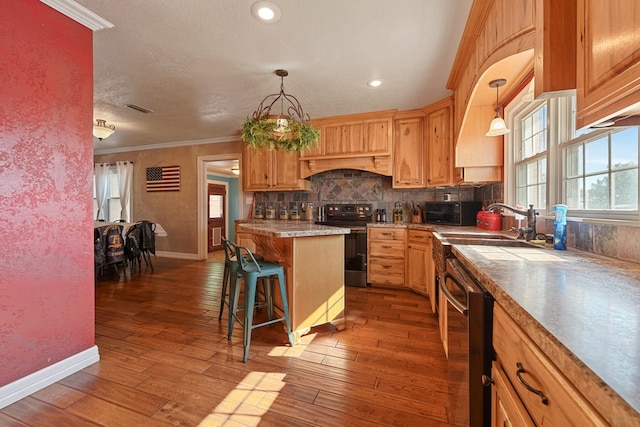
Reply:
x=313 y=260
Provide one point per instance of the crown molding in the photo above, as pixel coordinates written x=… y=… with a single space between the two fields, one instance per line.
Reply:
x=79 y=14
x=98 y=151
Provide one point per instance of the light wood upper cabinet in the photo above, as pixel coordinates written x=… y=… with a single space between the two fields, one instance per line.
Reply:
x=608 y=59
x=354 y=135
x=439 y=143
x=408 y=151
x=271 y=170
x=555 y=47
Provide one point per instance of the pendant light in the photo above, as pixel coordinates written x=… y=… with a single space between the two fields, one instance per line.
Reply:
x=101 y=130
x=498 y=126
x=290 y=129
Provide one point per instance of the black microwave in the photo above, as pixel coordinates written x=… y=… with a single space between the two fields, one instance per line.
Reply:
x=451 y=213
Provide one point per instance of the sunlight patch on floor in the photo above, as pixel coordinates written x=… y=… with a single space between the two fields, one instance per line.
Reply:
x=295 y=351
x=245 y=405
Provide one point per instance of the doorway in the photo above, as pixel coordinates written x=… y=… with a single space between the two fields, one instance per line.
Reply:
x=216 y=216
x=221 y=169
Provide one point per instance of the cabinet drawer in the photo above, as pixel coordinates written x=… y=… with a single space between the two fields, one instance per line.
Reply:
x=417 y=236
x=386 y=249
x=515 y=351
x=386 y=233
x=383 y=279
x=387 y=266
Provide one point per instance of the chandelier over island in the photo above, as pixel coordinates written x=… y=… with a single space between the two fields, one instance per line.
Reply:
x=289 y=130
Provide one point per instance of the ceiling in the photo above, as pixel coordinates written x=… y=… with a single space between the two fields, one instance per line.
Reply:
x=203 y=66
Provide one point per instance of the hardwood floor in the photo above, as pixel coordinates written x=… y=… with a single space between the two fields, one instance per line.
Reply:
x=165 y=360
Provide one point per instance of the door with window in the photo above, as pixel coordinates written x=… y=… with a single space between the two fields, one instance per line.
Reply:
x=216 y=216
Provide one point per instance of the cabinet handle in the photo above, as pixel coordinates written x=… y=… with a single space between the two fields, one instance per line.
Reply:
x=387 y=234
x=386 y=247
x=486 y=380
x=520 y=371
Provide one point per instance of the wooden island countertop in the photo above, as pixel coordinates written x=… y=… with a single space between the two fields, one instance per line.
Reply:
x=313 y=259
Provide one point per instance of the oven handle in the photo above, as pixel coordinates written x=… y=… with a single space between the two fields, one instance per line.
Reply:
x=461 y=307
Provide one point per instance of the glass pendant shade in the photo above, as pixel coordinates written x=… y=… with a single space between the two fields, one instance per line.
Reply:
x=101 y=130
x=497 y=127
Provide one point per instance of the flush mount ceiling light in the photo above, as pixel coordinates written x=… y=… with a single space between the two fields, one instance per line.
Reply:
x=101 y=130
x=266 y=11
x=288 y=130
x=498 y=126
x=374 y=83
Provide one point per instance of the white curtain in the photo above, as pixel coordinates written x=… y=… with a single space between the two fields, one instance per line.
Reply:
x=125 y=177
x=102 y=185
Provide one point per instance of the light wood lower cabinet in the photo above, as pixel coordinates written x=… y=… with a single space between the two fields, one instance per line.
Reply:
x=546 y=396
x=507 y=409
x=386 y=256
x=420 y=271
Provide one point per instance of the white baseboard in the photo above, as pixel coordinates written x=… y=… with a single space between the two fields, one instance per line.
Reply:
x=25 y=386
x=177 y=255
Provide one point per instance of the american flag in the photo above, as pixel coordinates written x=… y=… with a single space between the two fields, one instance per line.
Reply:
x=165 y=178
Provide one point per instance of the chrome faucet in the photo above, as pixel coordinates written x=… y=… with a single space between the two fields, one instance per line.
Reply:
x=528 y=233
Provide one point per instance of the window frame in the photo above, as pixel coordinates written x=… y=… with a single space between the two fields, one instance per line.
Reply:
x=113 y=170
x=561 y=134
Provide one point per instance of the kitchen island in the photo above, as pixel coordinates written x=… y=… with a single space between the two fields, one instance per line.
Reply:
x=313 y=260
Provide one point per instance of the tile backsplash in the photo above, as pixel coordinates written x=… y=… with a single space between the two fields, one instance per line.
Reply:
x=354 y=186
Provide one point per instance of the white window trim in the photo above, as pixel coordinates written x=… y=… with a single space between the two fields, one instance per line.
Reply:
x=561 y=122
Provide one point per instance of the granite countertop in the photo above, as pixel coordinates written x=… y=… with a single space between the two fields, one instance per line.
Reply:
x=581 y=309
x=289 y=228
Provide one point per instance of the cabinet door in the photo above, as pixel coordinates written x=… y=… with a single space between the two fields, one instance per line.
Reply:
x=608 y=59
x=378 y=136
x=439 y=149
x=284 y=170
x=430 y=272
x=417 y=267
x=506 y=408
x=408 y=153
x=256 y=166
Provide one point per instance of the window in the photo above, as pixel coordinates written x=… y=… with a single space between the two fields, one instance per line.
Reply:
x=593 y=171
x=531 y=160
x=113 y=209
x=601 y=172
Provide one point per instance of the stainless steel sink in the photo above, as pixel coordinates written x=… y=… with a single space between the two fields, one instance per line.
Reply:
x=486 y=239
x=500 y=241
x=470 y=235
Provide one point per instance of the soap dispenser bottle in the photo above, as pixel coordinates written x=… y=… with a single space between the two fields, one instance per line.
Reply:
x=560 y=227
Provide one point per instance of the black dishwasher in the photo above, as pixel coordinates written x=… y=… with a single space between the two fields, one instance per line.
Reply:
x=469 y=311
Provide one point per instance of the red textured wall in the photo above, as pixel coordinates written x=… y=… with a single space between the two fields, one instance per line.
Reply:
x=46 y=264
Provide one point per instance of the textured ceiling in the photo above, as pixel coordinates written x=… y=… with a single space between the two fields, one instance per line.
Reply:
x=203 y=66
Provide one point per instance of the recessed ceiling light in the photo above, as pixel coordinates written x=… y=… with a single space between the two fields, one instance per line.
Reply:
x=266 y=11
x=374 y=82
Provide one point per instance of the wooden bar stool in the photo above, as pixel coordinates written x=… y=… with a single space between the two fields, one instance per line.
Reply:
x=251 y=271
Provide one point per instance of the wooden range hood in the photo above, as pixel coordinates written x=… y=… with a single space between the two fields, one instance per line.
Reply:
x=357 y=141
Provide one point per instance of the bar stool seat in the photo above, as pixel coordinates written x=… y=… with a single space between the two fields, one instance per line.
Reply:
x=229 y=273
x=250 y=271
